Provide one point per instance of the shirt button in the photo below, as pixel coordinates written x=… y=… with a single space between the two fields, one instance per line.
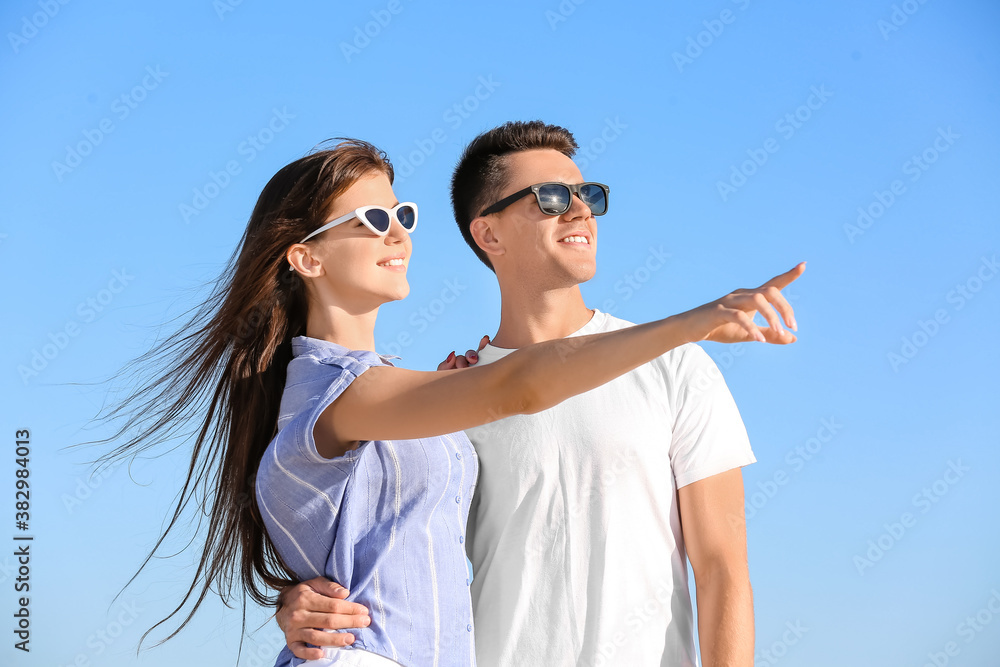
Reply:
x=458 y=455
x=458 y=499
x=469 y=628
x=461 y=539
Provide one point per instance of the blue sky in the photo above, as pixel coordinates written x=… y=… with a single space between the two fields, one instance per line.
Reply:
x=738 y=138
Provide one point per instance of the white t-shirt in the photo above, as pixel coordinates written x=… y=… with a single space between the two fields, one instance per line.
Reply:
x=574 y=533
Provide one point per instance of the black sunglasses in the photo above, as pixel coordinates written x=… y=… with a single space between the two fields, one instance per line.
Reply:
x=556 y=198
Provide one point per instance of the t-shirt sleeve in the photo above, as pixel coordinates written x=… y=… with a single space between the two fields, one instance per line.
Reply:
x=299 y=492
x=708 y=435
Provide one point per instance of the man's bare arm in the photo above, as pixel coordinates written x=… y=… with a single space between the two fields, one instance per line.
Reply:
x=305 y=608
x=714 y=528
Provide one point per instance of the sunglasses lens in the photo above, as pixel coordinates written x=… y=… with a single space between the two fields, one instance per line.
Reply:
x=378 y=219
x=553 y=199
x=407 y=217
x=594 y=197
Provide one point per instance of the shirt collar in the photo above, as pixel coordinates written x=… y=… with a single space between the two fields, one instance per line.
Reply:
x=594 y=325
x=306 y=345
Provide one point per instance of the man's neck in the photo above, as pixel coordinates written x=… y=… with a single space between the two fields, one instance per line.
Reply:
x=528 y=317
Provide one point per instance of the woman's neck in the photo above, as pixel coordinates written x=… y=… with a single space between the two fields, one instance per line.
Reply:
x=353 y=330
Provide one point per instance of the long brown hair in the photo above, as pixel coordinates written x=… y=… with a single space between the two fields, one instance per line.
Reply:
x=224 y=371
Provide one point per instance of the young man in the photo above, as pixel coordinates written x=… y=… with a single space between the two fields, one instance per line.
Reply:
x=585 y=515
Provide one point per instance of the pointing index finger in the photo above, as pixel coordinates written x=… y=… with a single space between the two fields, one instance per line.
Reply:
x=783 y=280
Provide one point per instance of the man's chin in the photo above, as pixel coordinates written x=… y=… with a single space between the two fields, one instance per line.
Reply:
x=583 y=272
x=573 y=276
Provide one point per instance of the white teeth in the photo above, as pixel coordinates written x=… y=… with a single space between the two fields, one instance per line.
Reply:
x=392 y=262
x=575 y=239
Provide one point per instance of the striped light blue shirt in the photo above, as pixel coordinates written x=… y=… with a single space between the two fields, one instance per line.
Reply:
x=387 y=520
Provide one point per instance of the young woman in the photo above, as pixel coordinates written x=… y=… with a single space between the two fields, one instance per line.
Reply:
x=315 y=455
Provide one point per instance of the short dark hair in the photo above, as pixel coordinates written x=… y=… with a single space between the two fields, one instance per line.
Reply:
x=482 y=174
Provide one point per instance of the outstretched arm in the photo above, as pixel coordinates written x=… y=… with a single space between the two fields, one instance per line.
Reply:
x=387 y=403
x=314 y=604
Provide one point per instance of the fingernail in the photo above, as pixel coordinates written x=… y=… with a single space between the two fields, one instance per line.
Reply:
x=451 y=357
x=366 y=621
x=795 y=327
x=473 y=355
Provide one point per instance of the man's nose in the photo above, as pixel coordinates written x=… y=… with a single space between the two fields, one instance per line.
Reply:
x=577 y=209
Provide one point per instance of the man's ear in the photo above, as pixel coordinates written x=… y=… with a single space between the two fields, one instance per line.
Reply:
x=484 y=234
x=301 y=259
